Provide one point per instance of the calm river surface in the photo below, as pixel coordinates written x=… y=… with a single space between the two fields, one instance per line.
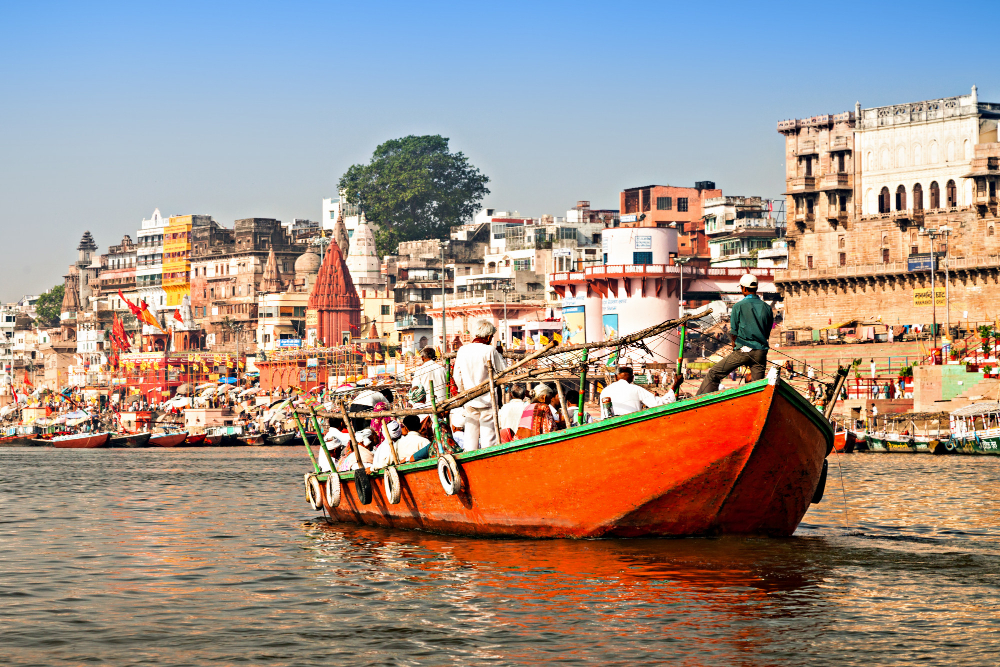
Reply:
x=212 y=556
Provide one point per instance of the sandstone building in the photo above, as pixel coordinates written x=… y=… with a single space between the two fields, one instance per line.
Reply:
x=864 y=187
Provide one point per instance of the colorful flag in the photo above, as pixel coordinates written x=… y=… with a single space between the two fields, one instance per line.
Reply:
x=528 y=341
x=557 y=337
x=378 y=357
x=543 y=340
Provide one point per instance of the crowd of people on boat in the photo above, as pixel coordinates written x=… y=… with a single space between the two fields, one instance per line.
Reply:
x=527 y=410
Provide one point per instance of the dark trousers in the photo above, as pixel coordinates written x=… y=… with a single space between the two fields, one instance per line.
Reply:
x=755 y=359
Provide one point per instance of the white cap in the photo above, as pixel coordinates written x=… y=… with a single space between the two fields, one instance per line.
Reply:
x=748 y=280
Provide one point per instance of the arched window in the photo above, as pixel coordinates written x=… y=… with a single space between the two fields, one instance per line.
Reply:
x=952 y=194
x=934 y=152
x=900 y=157
x=841 y=242
x=918 y=197
x=951 y=152
x=868 y=161
x=917 y=155
x=967 y=146
x=935 y=195
x=901 y=198
x=491 y=267
x=990 y=232
x=883 y=200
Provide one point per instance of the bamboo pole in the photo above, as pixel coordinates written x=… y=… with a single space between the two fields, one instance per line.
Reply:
x=350 y=434
x=583 y=387
x=562 y=403
x=392 y=445
x=322 y=441
x=305 y=441
x=493 y=398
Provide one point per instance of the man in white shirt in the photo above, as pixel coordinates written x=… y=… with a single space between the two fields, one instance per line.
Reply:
x=430 y=371
x=510 y=413
x=625 y=396
x=411 y=442
x=472 y=364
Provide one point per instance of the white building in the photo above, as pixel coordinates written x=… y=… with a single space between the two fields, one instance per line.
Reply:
x=332 y=208
x=149 y=261
x=916 y=156
x=8 y=315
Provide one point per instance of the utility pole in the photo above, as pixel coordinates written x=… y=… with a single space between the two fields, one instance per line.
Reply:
x=947 y=282
x=681 y=261
x=444 y=323
x=505 y=287
x=932 y=233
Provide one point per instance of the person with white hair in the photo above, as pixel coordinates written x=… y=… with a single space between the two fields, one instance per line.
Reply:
x=537 y=416
x=472 y=364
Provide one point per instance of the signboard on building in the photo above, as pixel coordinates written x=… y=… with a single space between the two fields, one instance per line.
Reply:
x=922 y=297
x=921 y=261
x=631 y=217
x=643 y=242
x=574 y=324
x=312 y=362
x=312 y=318
x=289 y=342
x=562 y=252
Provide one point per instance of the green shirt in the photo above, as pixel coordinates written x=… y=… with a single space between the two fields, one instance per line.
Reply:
x=751 y=322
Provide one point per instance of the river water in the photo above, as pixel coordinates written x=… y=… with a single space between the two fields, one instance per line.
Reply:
x=212 y=556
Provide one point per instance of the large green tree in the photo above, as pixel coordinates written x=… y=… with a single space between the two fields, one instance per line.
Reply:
x=49 y=306
x=414 y=188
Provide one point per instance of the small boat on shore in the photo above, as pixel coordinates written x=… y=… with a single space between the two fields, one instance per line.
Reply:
x=129 y=440
x=81 y=441
x=975 y=429
x=252 y=439
x=195 y=440
x=168 y=439
x=222 y=436
x=670 y=470
x=282 y=439
x=18 y=436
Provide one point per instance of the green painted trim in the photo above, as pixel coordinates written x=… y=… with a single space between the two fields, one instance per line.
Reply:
x=608 y=424
x=807 y=408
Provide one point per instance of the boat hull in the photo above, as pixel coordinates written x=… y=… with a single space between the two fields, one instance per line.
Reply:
x=195 y=440
x=130 y=441
x=168 y=439
x=18 y=440
x=650 y=473
x=86 y=441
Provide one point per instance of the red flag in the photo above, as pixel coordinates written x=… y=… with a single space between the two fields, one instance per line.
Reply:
x=146 y=316
x=13 y=392
x=134 y=309
x=177 y=316
x=27 y=380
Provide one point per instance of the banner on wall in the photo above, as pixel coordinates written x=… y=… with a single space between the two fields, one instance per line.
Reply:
x=574 y=324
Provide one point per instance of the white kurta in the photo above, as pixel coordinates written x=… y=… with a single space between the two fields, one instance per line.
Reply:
x=427 y=372
x=510 y=414
x=471 y=369
x=627 y=397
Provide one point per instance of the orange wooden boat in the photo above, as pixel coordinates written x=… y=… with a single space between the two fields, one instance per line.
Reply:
x=195 y=440
x=745 y=461
x=81 y=440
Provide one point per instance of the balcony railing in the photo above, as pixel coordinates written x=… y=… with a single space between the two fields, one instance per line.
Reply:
x=836 y=181
x=842 y=143
x=413 y=321
x=855 y=270
x=802 y=183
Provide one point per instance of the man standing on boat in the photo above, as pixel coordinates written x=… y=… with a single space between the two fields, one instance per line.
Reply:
x=471 y=369
x=749 y=328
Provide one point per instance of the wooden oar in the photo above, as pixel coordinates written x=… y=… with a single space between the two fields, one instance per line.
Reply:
x=362 y=484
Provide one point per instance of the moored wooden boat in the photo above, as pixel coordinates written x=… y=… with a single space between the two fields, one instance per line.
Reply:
x=282 y=439
x=19 y=440
x=251 y=439
x=129 y=440
x=81 y=440
x=195 y=440
x=844 y=442
x=168 y=439
x=745 y=461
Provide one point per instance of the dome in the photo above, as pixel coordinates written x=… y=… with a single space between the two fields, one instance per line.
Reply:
x=308 y=262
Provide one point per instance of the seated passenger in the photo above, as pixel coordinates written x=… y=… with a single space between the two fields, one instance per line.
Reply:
x=457 y=420
x=510 y=413
x=383 y=453
x=411 y=443
x=555 y=405
x=537 y=416
x=572 y=406
x=625 y=396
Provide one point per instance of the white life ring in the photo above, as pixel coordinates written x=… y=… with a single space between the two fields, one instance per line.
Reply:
x=392 y=488
x=451 y=481
x=333 y=489
x=314 y=492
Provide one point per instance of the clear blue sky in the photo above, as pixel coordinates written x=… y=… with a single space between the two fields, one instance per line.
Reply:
x=255 y=109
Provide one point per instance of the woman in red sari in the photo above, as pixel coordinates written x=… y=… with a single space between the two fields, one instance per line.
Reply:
x=537 y=416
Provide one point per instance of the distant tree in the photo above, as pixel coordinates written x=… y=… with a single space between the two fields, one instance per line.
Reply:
x=414 y=188
x=48 y=308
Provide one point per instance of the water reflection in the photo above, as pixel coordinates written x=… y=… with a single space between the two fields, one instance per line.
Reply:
x=207 y=556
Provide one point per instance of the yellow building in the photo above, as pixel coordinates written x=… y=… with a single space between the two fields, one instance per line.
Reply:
x=177 y=255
